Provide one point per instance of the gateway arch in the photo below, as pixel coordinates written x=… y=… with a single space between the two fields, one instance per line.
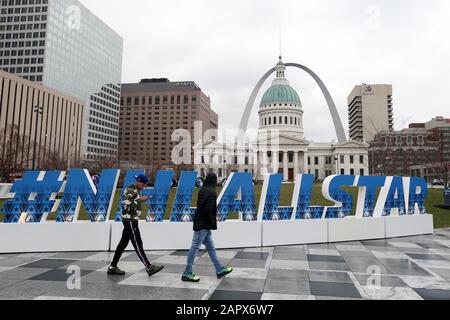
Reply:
x=340 y=133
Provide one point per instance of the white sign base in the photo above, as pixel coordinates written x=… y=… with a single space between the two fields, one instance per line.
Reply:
x=86 y=236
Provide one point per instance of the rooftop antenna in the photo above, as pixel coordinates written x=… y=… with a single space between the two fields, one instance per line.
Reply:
x=280 y=44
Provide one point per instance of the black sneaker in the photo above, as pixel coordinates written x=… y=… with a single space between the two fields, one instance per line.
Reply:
x=154 y=269
x=115 y=271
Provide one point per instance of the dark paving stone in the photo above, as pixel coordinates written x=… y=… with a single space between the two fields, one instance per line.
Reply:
x=332 y=289
x=252 y=255
x=385 y=281
x=288 y=250
x=15 y=261
x=57 y=275
x=327 y=246
x=22 y=273
x=328 y=266
x=235 y=295
x=433 y=294
x=431 y=245
x=416 y=256
x=296 y=287
x=376 y=243
x=324 y=258
x=49 y=263
x=186 y=253
x=88 y=265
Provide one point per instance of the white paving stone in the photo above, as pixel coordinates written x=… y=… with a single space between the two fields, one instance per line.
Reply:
x=249 y=273
x=159 y=280
x=436 y=264
x=226 y=254
x=346 y=247
x=388 y=293
x=292 y=297
x=406 y=245
x=426 y=282
x=172 y=260
x=389 y=255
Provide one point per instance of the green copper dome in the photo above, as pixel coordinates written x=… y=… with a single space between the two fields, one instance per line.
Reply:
x=280 y=93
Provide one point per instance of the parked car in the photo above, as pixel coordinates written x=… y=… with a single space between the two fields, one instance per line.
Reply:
x=437 y=182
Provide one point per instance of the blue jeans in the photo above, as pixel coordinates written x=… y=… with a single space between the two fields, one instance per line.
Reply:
x=202 y=237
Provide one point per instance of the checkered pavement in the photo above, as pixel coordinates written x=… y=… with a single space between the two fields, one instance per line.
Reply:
x=405 y=268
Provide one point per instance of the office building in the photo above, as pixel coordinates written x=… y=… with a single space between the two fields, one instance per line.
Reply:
x=40 y=128
x=62 y=45
x=370 y=111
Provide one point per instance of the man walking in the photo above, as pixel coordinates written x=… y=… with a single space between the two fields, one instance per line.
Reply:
x=130 y=217
x=205 y=220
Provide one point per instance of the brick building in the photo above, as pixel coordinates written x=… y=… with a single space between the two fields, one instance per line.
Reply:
x=151 y=111
x=421 y=150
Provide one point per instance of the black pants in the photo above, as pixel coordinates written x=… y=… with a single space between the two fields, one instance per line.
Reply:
x=131 y=233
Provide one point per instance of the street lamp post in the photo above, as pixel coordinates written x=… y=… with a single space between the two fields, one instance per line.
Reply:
x=38 y=110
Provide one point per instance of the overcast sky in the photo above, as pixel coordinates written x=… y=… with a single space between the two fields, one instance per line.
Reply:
x=226 y=46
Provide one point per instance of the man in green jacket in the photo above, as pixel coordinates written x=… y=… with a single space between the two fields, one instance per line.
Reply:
x=131 y=214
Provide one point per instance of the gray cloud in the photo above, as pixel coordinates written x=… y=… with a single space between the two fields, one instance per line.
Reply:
x=226 y=46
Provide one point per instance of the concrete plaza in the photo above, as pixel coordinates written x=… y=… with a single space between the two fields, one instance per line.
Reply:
x=409 y=268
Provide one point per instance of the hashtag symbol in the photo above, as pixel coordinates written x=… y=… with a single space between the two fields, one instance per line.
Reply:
x=34 y=196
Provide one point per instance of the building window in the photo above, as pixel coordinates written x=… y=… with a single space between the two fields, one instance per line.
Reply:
x=352 y=172
x=220 y=173
x=361 y=172
x=342 y=159
x=361 y=159
x=352 y=159
x=342 y=172
x=274 y=120
x=309 y=161
x=291 y=157
x=316 y=161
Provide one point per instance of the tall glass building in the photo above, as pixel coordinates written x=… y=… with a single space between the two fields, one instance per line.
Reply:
x=63 y=45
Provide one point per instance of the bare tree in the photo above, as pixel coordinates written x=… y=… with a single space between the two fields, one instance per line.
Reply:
x=12 y=148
